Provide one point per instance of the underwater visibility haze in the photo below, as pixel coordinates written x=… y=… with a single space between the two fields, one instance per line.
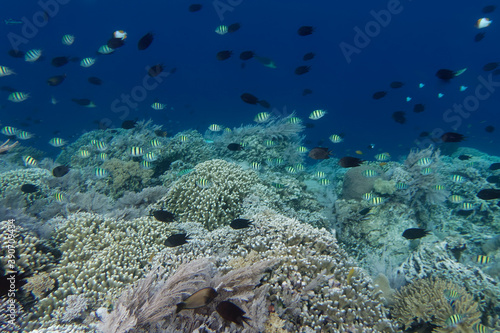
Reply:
x=249 y=166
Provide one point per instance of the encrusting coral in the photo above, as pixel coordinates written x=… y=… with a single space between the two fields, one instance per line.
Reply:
x=219 y=201
x=434 y=301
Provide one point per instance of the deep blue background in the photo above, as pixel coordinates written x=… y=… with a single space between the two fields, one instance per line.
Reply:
x=424 y=37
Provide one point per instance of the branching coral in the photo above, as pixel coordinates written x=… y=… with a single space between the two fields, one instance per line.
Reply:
x=125 y=176
x=219 y=201
x=430 y=300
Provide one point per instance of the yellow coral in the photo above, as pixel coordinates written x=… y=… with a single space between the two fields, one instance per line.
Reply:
x=425 y=300
x=39 y=284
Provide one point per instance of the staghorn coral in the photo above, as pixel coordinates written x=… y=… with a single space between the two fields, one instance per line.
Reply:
x=218 y=203
x=425 y=300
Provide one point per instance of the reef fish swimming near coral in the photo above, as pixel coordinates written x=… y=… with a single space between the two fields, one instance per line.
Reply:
x=60 y=171
x=163 y=215
x=177 y=240
x=240 y=223
x=231 y=312
x=415 y=233
x=319 y=153
x=489 y=194
x=198 y=299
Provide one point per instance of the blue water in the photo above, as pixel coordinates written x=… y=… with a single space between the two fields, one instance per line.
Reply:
x=420 y=38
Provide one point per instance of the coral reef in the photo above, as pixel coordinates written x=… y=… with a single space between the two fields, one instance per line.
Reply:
x=216 y=203
x=432 y=301
x=438 y=261
x=99 y=257
x=309 y=287
x=264 y=143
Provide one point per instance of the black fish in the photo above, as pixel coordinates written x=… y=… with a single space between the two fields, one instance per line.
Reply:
x=251 y=99
x=155 y=70
x=95 y=80
x=161 y=133
x=464 y=157
x=29 y=188
x=264 y=104
x=115 y=43
x=231 y=312
x=8 y=88
x=479 y=36
x=489 y=9
x=490 y=66
x=379 y=94
x=308 y=56
x=489 y=194
x=240 y=223
x=306 y=92
x=419 y=108
x=452 y=137
x=319 y=153
x=60 y=171
x=82 y=101
x=145 y=41
x=489 y=129
x=424 y=134
x=399 y=117
x=59 y=61
x=464 y=213
x=194 y=7
x=494 y=166
x=396 y=84
x=350 y=162
x=493 y=180
x=415 y=233
x=364 y=211
x=446 y=74
x=305 y=30
x=163 y=215
x=233 y=27
x=16 y=53
x=302 y=70
x=56 y=80
x=246 y=55
x=224 y=55
x=234 y=147
x=129 y=124
x=198 y=299
x=177 y=240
